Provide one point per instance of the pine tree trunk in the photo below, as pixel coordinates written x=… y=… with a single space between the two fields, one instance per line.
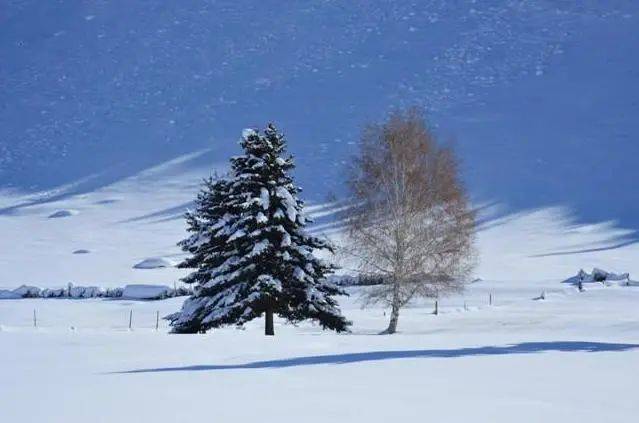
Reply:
x=269 y=330
x=395 y=305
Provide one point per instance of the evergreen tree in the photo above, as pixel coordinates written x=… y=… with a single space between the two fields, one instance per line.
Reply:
x=207 y=225
x=249 y=248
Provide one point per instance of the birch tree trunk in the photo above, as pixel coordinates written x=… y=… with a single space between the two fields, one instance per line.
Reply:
x=395 y=306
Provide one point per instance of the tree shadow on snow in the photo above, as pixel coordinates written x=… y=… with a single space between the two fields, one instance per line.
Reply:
x=623 y=243
x=522 y=348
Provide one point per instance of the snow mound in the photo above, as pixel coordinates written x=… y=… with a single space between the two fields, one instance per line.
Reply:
x=63 y=213
x=154 y=263
x=81 y=251
x=85 y=292
x=601 y=276
x=26 y=291
x=5 y=294
x=145 y=292
x=140 y=292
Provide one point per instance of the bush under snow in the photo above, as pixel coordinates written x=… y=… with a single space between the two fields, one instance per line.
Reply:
x=146 y=292
x=133 y=292
x=25 y=291
x=6 y=294
x=601 y=276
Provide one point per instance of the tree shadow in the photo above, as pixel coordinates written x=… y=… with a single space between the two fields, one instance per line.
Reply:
x=170 y=213
x=621 y=244
x=143 y=170
x=493 y=214
x=522 y=348
x=83 y=185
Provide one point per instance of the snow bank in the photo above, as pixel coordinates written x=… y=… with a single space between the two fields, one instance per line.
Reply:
x=53 y=293
x=5 y=294
x=601 y=276
x=140 y=292
x=23 y=291
x=154 y=263
x=146 y=292
x=63 y=213
x=85 y=292
x=26 y=291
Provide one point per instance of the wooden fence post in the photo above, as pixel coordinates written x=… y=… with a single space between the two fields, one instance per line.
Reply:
x=130 y=318
x=157 y=320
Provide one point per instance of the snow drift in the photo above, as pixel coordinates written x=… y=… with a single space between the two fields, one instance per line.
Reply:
x=132 y=292
x=154 y=263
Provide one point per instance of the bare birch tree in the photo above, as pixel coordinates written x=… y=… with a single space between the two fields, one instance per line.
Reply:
x=411 y=226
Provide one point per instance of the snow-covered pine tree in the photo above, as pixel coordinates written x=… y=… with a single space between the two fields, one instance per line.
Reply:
x=250 y=250
x=206 y=245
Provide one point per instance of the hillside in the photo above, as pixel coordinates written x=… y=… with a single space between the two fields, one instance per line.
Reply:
x=544 y=92
x=141 y=217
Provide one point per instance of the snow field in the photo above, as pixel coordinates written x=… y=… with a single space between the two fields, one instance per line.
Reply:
x=568 y=358
x=571 y=357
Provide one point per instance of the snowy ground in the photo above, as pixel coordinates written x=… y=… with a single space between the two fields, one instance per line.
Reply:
x=141 y=218
x=572 y=357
